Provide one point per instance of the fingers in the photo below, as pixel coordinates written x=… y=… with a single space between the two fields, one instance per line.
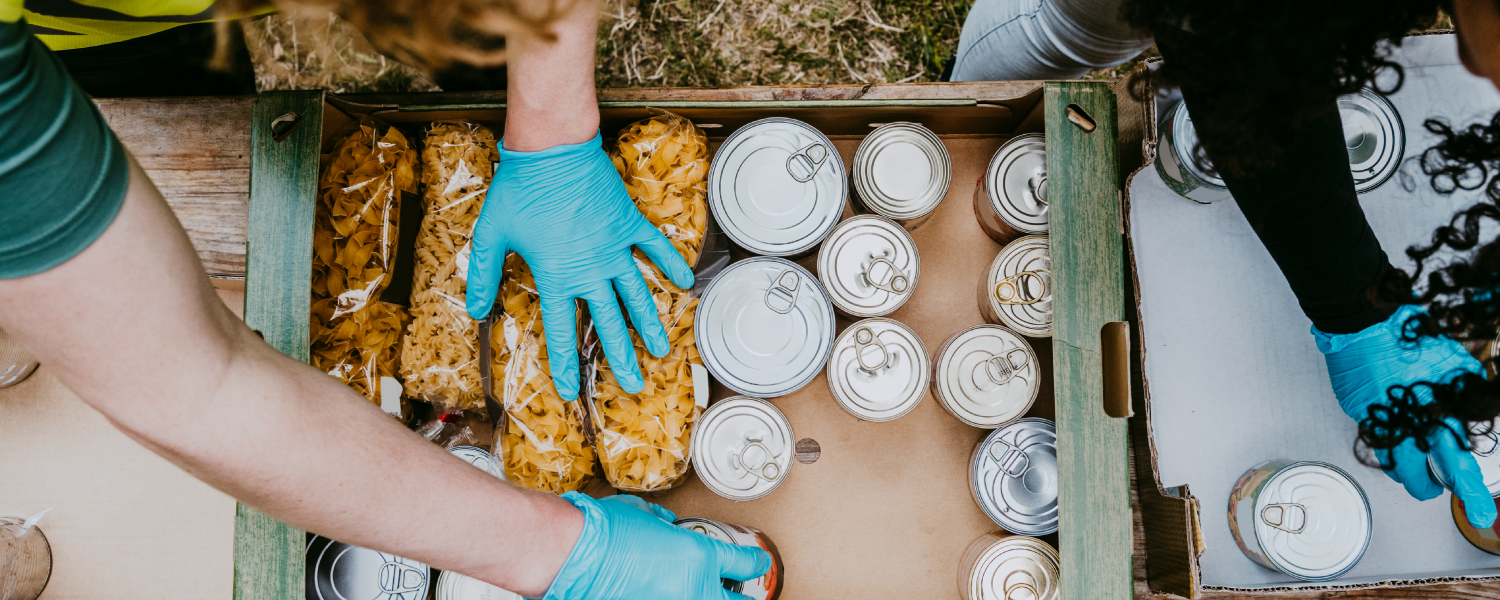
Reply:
x=486 y=261
x=637 y=298
x=1411 y=471
x=559 y=323
x=613 y=337
x=741 y=563
x=660 y=250
x=1468 y=483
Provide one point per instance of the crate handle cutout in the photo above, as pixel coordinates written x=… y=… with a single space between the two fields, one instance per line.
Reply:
x=1114 y=349
x=284 y=125
x=1081 y=118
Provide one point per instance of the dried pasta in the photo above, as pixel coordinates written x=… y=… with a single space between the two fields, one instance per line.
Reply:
x=354 y=336
x=544 y=445
x=643 y=438
x=440 y=353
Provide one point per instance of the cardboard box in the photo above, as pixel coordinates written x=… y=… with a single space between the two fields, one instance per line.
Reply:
x=885 y=511
x=1231 y=374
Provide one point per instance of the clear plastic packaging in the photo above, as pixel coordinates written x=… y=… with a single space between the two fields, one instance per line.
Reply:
x=544 y=440
x=354 y=336
x=643 y=439
x=440 y=354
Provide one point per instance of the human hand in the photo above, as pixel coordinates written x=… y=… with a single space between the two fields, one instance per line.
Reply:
x=1363 y=366
x=566 y=212
x=629 y=549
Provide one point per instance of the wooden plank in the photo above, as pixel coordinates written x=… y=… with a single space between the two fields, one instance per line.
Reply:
x=722 y=104
x=197 y=152
x=268 y=562
x=1088 y=291
x=981 y=91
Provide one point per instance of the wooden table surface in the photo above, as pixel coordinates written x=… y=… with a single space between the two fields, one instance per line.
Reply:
x=197 y=151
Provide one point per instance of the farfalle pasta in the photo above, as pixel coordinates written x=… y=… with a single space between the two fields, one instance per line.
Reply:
x=543 y=445
x=354 y=336
x=643 y=439
x=440 y=353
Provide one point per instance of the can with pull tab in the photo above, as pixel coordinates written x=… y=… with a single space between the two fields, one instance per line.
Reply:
x=742 y=448
x=879 y=370
x=1000 y=566
x=764 y=327
x=1016 y=290
x=901 y=171
x=1013 y=476
x=765 y=587
x=869 y=266
x=1309 y=520
x=986 y=376
x=1011 y=198
x=339 y=571
x=776 y=187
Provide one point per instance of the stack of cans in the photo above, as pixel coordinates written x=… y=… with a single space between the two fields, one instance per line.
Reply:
x=1309 y=520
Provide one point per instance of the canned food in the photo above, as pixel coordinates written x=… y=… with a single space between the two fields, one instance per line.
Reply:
x=452 y=586
x=27 y=559
x=1485 y=446
x=879 y=370
x=1011 y=199
x=339 y=571
x=1013 y=476
x=1487 y=539
x=478 y=457
x=765 y=587
x=1016 y=290
x=998 y=566
x=901 y=172
x=869 y=265
x=777 y=187
x=742 y=448
x=764 y=327
x=1374 y=137
x=16 y=362
x=986 y=376
x=1309 y=520
x=1176 y=142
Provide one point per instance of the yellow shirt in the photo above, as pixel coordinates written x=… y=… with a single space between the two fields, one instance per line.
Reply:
x=73 y=24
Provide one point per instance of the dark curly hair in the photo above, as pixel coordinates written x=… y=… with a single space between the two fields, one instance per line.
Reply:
x=1299 y=55
x=1462 y=294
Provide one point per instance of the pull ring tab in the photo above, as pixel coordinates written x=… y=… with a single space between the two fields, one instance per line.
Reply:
x=864 y=338
x=1010 y=591
x=1277 y=515
x=1016 y=289
x=396 y=578
x=767 y=469
x=782 y=296
x=896 y=283
x=999 y=369
x=1013 y=461
x=807 y=160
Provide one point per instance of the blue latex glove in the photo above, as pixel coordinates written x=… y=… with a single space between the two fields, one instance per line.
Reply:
x=629 y=549
x=566 y=212
x=1363 y=366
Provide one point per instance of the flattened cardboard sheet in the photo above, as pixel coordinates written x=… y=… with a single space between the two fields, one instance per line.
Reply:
x=1233 y=373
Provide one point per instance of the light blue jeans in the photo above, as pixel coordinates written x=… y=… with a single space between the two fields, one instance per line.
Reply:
x=1043 y=39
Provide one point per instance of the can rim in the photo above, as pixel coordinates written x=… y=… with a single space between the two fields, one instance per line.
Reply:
x=974 y=463
x=715 y=366
x=1399 y=143
x=992 y=187
x=698 y=453
x=1047 y=558
x=993 y=272
x=1182 y=121
x=924 y=372
x=1364 y=498
x=937 y=362
x=878 y=201
x=715 y=203
x=824 y=266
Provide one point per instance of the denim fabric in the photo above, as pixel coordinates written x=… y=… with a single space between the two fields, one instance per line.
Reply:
x=1043 y=39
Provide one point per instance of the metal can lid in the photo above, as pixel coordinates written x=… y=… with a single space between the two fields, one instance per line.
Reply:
x=1312 y=520
x=706 y=527
x=742 y=448
x=1013 y=474
x=478 y=457
x=1013 y=567
x=339 y=571
x=764 y=327
x=1185 y=143
x=869 y=265
x=1374 y=137
x=777 y=186
x=453 y=586
x=879 y=370
x=901 y=170
x=1485 y=446
x=1016 y=182
x=1019 y=286
x=986 y=376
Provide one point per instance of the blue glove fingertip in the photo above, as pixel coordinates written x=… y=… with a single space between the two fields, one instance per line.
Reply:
x=741 y=563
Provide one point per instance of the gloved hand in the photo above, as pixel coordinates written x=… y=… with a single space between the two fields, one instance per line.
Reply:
x=1363 y=365
x=630 y=549
x=566 y=212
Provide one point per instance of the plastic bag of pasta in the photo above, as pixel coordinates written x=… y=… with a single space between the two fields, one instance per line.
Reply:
x=643 y=439
x=354 y=336
x=544 y=444
x=440 y=354
x=663 y=161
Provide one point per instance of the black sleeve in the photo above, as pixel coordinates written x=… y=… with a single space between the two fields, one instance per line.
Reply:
x=1307 y=215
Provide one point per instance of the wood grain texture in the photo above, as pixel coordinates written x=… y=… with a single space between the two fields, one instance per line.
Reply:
x=1088 y=291
x=268 y=562
x=197 y=152
x=981 y=90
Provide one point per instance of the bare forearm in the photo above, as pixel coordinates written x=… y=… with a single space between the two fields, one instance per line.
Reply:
x=550 y=100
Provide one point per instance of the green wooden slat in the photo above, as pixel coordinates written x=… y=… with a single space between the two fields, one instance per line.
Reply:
x=727 y=104
x=268 y=563
x=1088 y=291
